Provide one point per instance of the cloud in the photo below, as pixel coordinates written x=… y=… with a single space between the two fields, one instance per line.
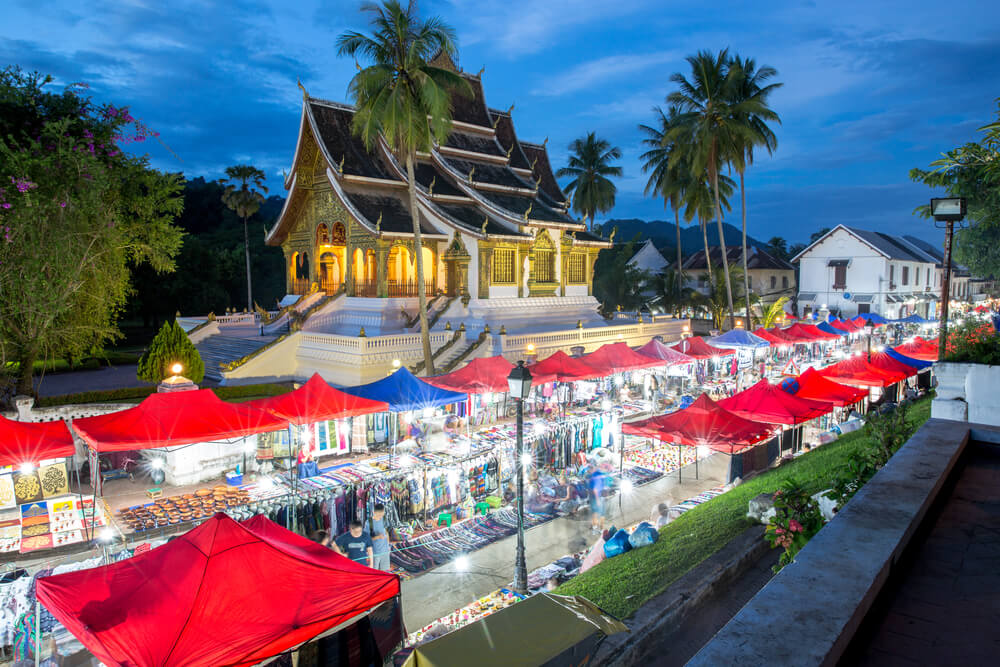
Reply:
x=586 y=75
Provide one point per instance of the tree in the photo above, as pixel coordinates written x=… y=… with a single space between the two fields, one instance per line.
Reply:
x=616 y=282
x=404 y=99
x=816 y=236
x=590 y=166
x=778 y=247
x=244 y=194
x=750 y=93
x=674 y=297
x=78 y=213
x=773 y=313
x=972 y=171
x=711 y=124
x=717 y=299
x=698 y=203
x=170 y=346
x=667 y=179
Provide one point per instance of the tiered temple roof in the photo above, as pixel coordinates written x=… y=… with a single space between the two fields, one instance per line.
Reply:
x=483 y=181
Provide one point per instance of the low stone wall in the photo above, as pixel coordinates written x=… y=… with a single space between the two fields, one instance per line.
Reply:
x=967 y=392
x=810 y=611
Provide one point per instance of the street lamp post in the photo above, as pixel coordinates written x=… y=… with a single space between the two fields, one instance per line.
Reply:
x=948 y=210
x=870 y=326
x=519 y=384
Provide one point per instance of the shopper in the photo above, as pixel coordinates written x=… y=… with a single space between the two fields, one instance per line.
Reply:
x=596 y=500
x=379 y=538
x=355 y=544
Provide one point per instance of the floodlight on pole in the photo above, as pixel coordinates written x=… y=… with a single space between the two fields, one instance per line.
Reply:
x=948 y=210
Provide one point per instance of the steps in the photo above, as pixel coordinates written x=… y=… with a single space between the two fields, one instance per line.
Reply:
x=221 y=348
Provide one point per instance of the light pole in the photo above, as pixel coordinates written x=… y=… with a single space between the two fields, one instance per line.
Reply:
x=948 y=210
x=519 y=384
x=870 y=326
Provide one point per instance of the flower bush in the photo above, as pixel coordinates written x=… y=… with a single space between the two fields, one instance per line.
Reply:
x=974 y=341
x=796 y=519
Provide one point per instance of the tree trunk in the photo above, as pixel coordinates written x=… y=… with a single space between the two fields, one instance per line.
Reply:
x=26 y=368
x=708 y=255
x=246 y=248
x=418 y=248
x=680 y=261
x=722 y=249
x=746 y=273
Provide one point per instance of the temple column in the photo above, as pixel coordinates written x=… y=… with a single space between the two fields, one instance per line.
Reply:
x=381 y=266
x=348 y=267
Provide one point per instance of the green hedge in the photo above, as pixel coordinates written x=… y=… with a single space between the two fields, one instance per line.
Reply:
x=236 y=394
x=621 y=585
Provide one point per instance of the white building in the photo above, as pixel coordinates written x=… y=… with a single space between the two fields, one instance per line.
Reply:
x=648 y=258
x=852 y=271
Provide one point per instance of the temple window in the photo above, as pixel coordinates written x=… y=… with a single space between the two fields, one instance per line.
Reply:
x=503 y=266
x=545 y=266
x=577 y=269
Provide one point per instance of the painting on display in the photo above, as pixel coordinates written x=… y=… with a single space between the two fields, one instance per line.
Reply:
x=27 y=488
x=36 y=543
x=34 y=519
x=54 y=479
x=7 y=499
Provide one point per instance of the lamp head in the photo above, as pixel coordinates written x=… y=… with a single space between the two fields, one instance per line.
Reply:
x=177 y=368
x=519 y=381
x=948 y=208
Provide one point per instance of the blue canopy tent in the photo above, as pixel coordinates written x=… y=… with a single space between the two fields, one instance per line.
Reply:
x=404 y=392
x=825 y=326
x=873 y=317
x=738 y=338
x=914 y=319
x=919 y=364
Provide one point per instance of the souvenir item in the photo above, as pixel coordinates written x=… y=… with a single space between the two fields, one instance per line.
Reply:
x=7 y=499
x=27 y=488
x=36 y=543
x=54 y=480
x=34 y=519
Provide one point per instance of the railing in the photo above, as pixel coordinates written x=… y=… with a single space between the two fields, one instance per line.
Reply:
x=545 y=343
x=408 y=289
x=331 y=287
x=369 y=289
x=300 y=286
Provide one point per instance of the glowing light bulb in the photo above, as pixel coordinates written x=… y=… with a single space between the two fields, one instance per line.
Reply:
x=176 y=369
x=396 y=363
x=407 y=417
x=265 y=484
x=530 y=348
x=462 y=564
x=156 y=464
x=106 y=535
x=428 y=413
x=27 y=468
x=627 y=486
x=606 y=404
x=619 y=380
x=526 y=460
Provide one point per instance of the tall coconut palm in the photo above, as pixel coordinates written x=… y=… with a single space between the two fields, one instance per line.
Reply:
x=244 y=194
x=713 y=124
x=752 y=85
x=667 y=179
x=699 y=204
x=590 y=167
x=401 y=97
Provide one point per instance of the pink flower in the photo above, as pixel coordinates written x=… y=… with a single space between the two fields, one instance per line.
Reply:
x=62 y=204
x=794 y=526
x=779 y=530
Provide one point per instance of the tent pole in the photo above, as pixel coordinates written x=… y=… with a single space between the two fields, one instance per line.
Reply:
x=696 y=464
x=680 y=479
x=38 y=632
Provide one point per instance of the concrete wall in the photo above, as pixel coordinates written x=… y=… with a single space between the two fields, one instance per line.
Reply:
x=967 y=393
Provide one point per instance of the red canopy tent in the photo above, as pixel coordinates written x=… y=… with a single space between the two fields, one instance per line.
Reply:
x=482 y=375
x=658 y=350
x=771 y=338
x=919 y=348
x=317 y=401
x=30 y=442
x=768 y=403
x=794 y=334
x=845 y=325
x=175 y=418
x=857 y=371
x=221 y=594
x=812 y=331
x=810 y=384
x=885 y=362
x=783 y=335
x=861 y=322
x=703 y=423
x=563 y=368
x=697 y=347
x=789 y=316
x=613 y=358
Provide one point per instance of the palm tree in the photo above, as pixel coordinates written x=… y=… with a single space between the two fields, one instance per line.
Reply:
x=713 y=125
x=404 y=99
x=773 y=313
x=751 y=86
x=699 y=203
x=244 y=194
x=778 y=247
x=590 y=166
x=667 y=180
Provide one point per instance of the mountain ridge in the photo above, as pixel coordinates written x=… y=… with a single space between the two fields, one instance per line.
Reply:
x=663 y=234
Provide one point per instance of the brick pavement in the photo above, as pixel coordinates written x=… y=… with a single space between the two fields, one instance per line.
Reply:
x=944 y=608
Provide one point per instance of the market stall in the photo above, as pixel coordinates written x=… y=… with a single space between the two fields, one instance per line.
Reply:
x=766 y=402
x=552 y=630
x=856 y=371
x=919 y=348
x=223 y=593
x=814 y=386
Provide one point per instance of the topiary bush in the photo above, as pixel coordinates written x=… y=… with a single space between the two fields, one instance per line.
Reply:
x=170 y=346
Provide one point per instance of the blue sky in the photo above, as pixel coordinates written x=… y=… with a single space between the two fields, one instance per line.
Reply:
x=871 y=88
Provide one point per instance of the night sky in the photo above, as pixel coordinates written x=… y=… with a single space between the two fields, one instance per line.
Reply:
x=871 y=88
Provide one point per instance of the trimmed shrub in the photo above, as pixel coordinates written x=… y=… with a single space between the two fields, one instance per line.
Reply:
x=170 y=346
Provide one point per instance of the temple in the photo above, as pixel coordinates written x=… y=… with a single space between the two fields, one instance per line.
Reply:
x=501 y=251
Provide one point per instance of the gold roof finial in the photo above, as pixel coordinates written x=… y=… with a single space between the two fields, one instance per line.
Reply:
x=503 y=330
x=430 y=188
x=479 y=74
x=378 y=223
x=510 y=150
x=305 y=95
x=486 y=221
x=533 y=162
x=545 y=142
x=611 y=239
x=528 y=212
x=510 y=110
x=572 y=235
x=538 y=182
x=471 y=172
x=340 y=167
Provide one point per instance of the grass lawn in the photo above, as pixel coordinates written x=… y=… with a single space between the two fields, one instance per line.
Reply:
x=233 y=394
x=622 y=584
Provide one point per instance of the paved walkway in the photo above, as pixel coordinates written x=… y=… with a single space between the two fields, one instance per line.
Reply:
x=945 y=608
x=109 y=377
x=442 y=590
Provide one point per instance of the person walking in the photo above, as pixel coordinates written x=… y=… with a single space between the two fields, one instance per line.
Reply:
x=355 y=544
x=596 y=484
x=375 y=529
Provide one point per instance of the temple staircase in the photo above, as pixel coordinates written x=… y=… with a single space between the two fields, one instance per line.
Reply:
x=220 y=348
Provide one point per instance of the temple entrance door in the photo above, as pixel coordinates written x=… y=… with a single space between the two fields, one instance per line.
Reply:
x=451 y=282
x=331 y=274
